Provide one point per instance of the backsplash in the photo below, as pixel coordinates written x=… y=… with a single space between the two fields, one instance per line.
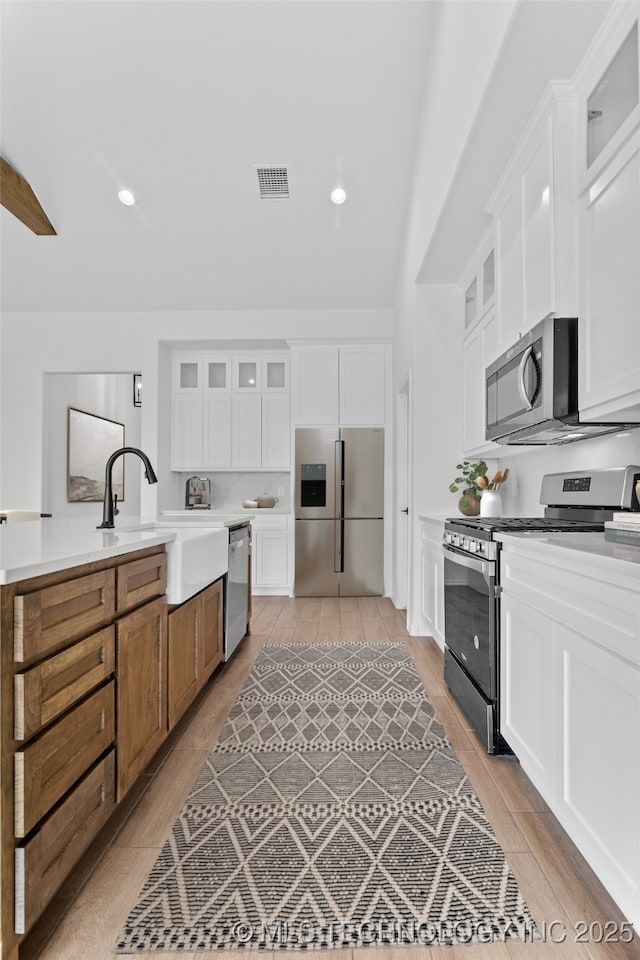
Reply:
x=228 y=490
x=521 y=492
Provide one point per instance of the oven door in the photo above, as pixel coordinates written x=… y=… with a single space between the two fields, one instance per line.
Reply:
x=470 y=617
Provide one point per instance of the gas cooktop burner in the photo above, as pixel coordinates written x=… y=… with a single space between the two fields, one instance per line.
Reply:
x=546 y=524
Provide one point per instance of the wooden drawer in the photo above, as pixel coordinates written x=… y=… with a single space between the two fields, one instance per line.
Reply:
x=141 y=580
x=50 y=688
x=43 y=863
x=49 y=766
x=47 y=618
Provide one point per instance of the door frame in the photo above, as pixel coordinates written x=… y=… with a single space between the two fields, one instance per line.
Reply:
x=403 y=493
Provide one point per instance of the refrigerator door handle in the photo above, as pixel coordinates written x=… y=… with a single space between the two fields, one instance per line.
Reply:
x=339 y=478
x=338 y=555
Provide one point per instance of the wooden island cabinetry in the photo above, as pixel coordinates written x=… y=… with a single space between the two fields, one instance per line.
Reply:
x=84 y=709
x=195 y=647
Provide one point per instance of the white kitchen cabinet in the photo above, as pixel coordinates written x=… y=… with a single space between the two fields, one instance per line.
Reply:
x=509 y=267
x=315 y=385
x=270 y=574
x=480 y=344
x=478 y=350
x=276 y=431
x=246 y=432
x=478 y=281
x=276 y=374
x=598 y=716
x=187 y=419
x=608 y=87
x=432 y=579
x=216 y=374
x=343 y=385
x=527 y=689
x=187 y=373
x=230 y=411
x=609 y=331
x=608 y=92
x=247 y=374
x=362 y=385
x=538 y=239
x=217 y=432
x=535 y=211
x=570 y=697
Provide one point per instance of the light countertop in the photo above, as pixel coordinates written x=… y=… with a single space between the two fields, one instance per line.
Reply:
x=614 y=557
x=210 y=518
x=35 y=547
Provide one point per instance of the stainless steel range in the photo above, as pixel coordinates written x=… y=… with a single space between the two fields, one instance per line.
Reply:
x=574 y=502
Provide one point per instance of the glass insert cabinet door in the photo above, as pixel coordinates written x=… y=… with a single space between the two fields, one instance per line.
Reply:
x=246 y=375
x=218 y=374
x=275 y=374
x=614 y=97
x=189 y=375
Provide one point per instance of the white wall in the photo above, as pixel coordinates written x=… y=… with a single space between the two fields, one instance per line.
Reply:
x=104 y=395
x=521 y=493
x=229 y=488
x=34 y=344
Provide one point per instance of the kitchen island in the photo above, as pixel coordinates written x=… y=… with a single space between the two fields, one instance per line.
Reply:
x=88 y=673
x=570 y=691
x=38 y=547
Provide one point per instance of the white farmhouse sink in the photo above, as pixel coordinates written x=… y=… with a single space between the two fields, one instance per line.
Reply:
x=194 y=560
x=197 y=557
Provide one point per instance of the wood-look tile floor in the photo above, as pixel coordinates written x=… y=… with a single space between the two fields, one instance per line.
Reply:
x=560 y=888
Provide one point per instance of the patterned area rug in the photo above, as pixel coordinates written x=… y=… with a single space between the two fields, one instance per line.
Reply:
x=332 y=813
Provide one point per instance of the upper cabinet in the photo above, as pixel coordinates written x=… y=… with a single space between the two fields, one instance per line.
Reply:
x=566 y=235
x=608 y=87
x=479 y=344
x=315 y=379
x=479 y=282
x=230 y=412
x=534 y=209
x=608 y=93
x=339 y=384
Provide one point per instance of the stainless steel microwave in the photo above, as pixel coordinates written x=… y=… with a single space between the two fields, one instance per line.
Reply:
x=532 y=389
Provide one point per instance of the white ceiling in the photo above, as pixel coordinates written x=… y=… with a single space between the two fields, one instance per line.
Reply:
x=179 y=100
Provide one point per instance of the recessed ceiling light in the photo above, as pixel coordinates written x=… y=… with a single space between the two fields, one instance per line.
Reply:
x=338 y=195
x=126 y=197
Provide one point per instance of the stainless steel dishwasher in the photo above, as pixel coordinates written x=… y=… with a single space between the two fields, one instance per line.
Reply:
x=237 y=592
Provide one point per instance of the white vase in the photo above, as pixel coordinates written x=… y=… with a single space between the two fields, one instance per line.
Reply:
x=490 y=504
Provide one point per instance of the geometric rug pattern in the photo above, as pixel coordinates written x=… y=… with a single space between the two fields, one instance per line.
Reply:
x=333 y=812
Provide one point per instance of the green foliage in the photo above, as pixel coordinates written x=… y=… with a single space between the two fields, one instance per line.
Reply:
x=466 y=481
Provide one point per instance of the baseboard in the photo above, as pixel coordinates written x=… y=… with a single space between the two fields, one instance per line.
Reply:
x=270 y=591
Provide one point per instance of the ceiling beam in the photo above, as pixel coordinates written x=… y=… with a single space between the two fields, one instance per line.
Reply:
x=20 y=200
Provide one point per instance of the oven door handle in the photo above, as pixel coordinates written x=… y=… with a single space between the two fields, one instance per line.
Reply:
x=485 y=567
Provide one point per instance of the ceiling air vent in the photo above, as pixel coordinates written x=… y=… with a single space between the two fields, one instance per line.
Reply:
x=273 y=183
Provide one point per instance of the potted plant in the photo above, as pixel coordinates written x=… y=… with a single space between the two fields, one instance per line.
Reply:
x=467 y=481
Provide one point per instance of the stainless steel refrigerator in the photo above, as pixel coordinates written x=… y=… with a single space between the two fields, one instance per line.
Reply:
x=339 y=498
